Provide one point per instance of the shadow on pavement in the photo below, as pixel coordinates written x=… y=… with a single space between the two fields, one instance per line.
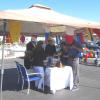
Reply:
x=10 y=80
x=10 y=83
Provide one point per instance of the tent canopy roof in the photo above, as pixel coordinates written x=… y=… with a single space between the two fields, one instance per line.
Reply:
x=42 y=14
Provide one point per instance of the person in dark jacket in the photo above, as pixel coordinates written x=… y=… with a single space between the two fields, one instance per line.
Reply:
x=64 y=53
x=39 y=56
x=50 y=48
x=28 y=58
x=30 y=46
x=50 y=51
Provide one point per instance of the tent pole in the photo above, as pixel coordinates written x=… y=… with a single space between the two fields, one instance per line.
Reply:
x=2 y=61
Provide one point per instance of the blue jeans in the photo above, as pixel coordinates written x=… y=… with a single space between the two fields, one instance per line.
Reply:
x=39 y=69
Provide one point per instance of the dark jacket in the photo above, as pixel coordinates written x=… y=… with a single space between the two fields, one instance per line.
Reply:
x=28 y=59
x=50 y=50
x=64 y=57
x=39 y=56
x=30 y=46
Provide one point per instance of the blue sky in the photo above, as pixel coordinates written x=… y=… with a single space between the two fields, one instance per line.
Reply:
x=84 y=9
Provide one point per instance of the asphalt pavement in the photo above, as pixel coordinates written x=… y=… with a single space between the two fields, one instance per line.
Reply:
x=89 y=88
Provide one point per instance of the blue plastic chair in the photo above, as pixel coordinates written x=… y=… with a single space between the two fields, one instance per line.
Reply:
x=18 y=71
x=29 y=77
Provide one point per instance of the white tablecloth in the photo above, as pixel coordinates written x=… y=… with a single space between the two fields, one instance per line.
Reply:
x=59 y=78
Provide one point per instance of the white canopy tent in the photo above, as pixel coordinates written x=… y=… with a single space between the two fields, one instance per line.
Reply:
x=41 y=14
x=35 y=15
x=38 y=19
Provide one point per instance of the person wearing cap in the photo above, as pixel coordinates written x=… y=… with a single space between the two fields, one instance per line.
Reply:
x=73 y=61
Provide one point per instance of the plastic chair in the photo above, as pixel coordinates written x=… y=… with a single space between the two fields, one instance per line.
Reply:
x=18 y=71
x=29 y=77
